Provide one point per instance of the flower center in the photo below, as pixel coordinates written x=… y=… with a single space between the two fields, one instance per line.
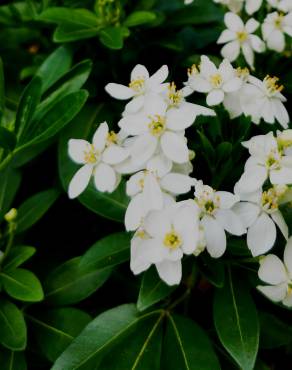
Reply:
x=216 y=80
x=279 y=21
x=208 y=201
x=270 y=200
x=241 y=36
x=273 y=160
x=112 y=138
x=242 y=73
x=91 y=155
x=157 y=125
x=137 y=85
x=174 y=96
x=272 y=85
x=172 y=240
x=193 y=71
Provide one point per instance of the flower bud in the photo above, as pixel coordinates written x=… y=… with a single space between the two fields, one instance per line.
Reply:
x=11 y=215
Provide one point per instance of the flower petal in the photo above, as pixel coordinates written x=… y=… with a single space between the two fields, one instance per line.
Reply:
x=252 y=180
x=177 y=183
x=281 y=223
x=275 y=293
x=288 y=257
x=134 y=213
x=143 y=148
x=261 y=236
x=231 y=50
x=215 y=237
x=76 y=150
x=272 y=270
x=230 y=221
x=174 y=147
x=226 y=36
x=159 y=76
x=135 y=104
x=227 y=200
x=100 y=136
x=105 y=178
x=233 y=22
x=118 y=91
x=283 y=176
x=152 y=194
x=139 y=71
x=248 y=212
x=215 y=97
x=115 y=154
x=170 y=271
x=80 y=181
x=139 y=262
x=251 y=25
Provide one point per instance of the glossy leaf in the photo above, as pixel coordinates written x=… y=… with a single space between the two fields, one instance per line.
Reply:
x=80 y=17
x=107 y=252
x=187 y=346
x=138 y=18
x=34 y=208
x=22 y=284
x=9 y=184
x=112 y=37
x=100 y=336
x=11 y=360
x=69 y=284
x=55 y=329
x=67 y=32
x=152 y=290
x=17 y=256
x=236 y=322
x=13 y=328
x=274 y=332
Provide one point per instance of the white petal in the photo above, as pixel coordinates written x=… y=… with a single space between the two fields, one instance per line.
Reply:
x=257 y=44
x=134 y=184
x=170 y=271
x=135 y=104
x=230 y=221
x=215 y=237
x=139 y=71
x=251 y=25
x=252 y=180
x=139 y=262
x=118 y=91
x=134 y=213
x=177 y=183
x=190 y=243
x=143 y=148
x=261 y=236
x=282 y=176
x=215 y=97
x=227 y=200
x=226 y=36
x=280 y=112
x=100 y=136
x=248 y=212
x=253 y=6
x=159 y=164
x=280 y=222
x=157 y=224
x=152 y=194
x=174 y=147
x=288 y=257
x=80 y=181
x=272 y=270
x=105 y=178
x=275 y=293
x=231 y=50
x=248 y=54
x=233 y=22
x=200 y=84
x=134 y=124
x=276 y=41
x=159 y=76
x=207 y=68
x=115 y=154
x=76 y=150
x=232 y=85
x=287 y=301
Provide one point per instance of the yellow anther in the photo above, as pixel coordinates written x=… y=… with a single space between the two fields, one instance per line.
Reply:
x=241 y=36
x=242 y=72
x=157 y=125
x=172 y=240
x=272 y=84
x=174 y=96
x=138 y=84
x=141 y=234
x=194 y=70
x=112 y=138
x=91 y=155
x=270 y=199
x=216 y=80
x=273 y=159
x=278 y=22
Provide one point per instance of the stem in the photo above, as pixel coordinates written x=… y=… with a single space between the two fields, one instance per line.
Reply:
x=9 y=244
x=5 y=162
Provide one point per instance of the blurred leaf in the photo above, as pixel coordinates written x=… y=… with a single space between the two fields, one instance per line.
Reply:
x=152 y=290
x=11 y=360
x=9 y=183
x=22 y=284
x=34 y=208
x=69 y=284
x=139 y=17
x=100 y=336
x=223 y=151
x=13 y=328
x=55 y=329
x=112 y=37
x=186 y=346
x=68 y=32
x=7 y=139
x=107 y=252
x=54 y=66
x=236 y=322
x=2 y=90
x=212 y=270
x=79 y=17
x=17 y=256
x=274 y=332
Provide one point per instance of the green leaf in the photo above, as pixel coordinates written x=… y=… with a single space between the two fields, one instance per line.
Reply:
x=223 y=151
x=139 y=17
x=68 y=32
x=112 y=37
x=9 y=183
x=56 y=118
x=54 y=66
x=152 y=290
x=274 y=332
x=11 y=360
x=55 y=329
x=112 y=250
x=29 y=100
x=99 y=337
x=69 y=284
x=34 y=208
x=22 y=284
x=141 y=349
x=7 y=139
x=79 y=17
x=186 y=346
x=2 y=91
x=212 y=270
x=13 y=328
x=236 y=322
x=17 y=256
x=112 y=206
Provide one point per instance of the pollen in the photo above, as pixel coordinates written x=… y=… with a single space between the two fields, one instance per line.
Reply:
x=157 y=125
x=112 y=138
x=91 y=155
x=216 y=80
x=241 y=36
x=172 y=240
x=193 y=71
x=137 y=85
x=174 y=95
x=242 y=72
x=272 y=84
x=278 y=22
x=273 y=160
x=270 y=200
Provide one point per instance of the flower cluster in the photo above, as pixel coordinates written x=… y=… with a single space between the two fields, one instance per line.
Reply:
x=240 y=37
x=151 y=150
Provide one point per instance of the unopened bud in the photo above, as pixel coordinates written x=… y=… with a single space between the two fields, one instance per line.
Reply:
x=11 y=215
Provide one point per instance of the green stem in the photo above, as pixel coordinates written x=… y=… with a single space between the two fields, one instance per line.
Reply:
x=9 y=244
x=5 y=162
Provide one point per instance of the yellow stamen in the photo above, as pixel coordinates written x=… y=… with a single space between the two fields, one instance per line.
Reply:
x=157 y=125
x=194 y=70
x=279 y=21
x=172 y=240
x=174 y=95
x=270 y=200
x=91 y=155
x=216 y=80
x=242 y=36
x=272 y=84
x=112 y=138
x=242 y=72
x=137 y=85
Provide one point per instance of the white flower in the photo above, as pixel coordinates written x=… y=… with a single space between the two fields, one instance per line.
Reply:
x=166 y=236
x=263 y=99
x=233 y=5
x=267 y=161
x=252 y=6
x=187 y=2
x=98 y=160
x=140 y=87
x=278 y=275
x=238 y=37
x=282 y=5
x=150 y=192
x=216 y=82
x=259 y=214
x=217 y=216
x=275 y=26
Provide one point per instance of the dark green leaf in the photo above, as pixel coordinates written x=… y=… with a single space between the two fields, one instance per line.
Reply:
x=34 y=208
x=17 y=256
x=152 y=290
x=9 y=184
x=112 y=37
x=187 y=346
x=22 y=284
x=68 y=32
x=2 y=90
x=107 y=252
x=11 y=360
x=236 y=322
x=212 y=270
x=274 y=332
x=55 y=329
x=7 y=139
x=69 y=284
x=139 y=17
x=99 y=337
x=13 y=328
x=80 y=17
